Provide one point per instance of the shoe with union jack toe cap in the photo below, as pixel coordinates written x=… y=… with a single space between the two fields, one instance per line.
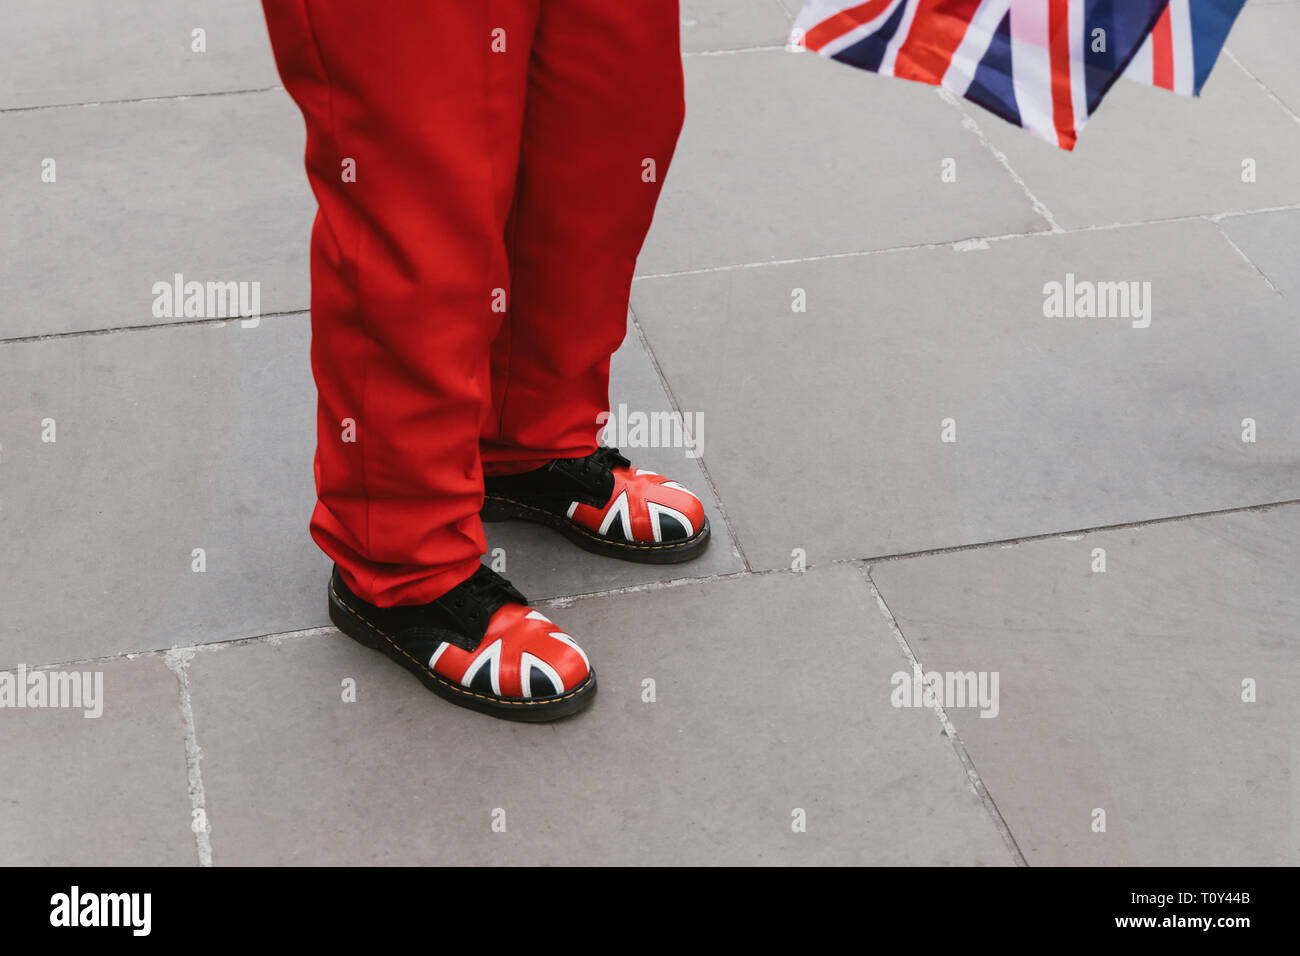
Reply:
x=603 y=504
x=479 y=645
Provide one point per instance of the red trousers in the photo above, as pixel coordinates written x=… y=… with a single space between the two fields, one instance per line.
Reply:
x=486 y=172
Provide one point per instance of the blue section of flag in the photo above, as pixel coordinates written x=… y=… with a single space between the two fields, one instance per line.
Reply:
x=1098 y=57
x=868 y=52
x=1124 y=26
x=1211 y=22
x=1132 y=21
x=992 y=87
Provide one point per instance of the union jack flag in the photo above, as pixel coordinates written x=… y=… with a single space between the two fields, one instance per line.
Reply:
x=1044 y=65
x=1184 y=45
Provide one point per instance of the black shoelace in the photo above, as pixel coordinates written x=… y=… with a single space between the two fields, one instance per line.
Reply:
x=604 y=459
x=483 y=587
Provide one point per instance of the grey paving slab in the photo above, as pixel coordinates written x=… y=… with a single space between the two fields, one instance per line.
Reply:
x=737 y=739
x=1264 y=39
x=211 y=188
x=825 y=427
x=110 y=790
x=1148 y=154
x=709 y=25
x=1270 y=240
x=82 y=51
x=167 y=440
x=788 y=155
x=1123 y=690
x=185 y=437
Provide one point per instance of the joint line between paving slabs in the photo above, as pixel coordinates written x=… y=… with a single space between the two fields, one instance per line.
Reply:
x=958 y=745
x=178 y=661
x=1242 y=252
x=1295 y=117
x=699 y=459
x=148 y=327
x=137 y=99
x=1069 y=535
x=967 y=243
x=733 y=52
x=969 y=123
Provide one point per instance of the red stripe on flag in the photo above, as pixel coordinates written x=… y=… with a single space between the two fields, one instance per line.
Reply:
x=937 y=31
x=1058 y=33
x=1162 y=52
x=833 y=27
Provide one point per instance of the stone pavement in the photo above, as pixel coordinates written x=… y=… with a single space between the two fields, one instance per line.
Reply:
x=852 y=541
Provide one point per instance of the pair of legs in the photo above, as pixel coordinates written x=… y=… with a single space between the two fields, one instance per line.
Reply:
x=486 y=172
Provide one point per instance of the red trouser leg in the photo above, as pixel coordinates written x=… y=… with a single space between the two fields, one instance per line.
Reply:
x=422 y=100
x=604 y=109
x=404 y=261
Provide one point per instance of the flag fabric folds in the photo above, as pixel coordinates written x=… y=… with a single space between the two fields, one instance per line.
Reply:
x=1044 y=65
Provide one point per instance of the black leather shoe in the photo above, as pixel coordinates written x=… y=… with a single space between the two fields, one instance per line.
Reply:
x=604 y=505
x=479 y=645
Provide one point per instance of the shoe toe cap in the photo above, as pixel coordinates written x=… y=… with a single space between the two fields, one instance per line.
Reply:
x=539 y=659
x=678 y=513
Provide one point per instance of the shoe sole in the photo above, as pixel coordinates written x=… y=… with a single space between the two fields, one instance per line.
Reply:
x=531 y=710
x=496 y=508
